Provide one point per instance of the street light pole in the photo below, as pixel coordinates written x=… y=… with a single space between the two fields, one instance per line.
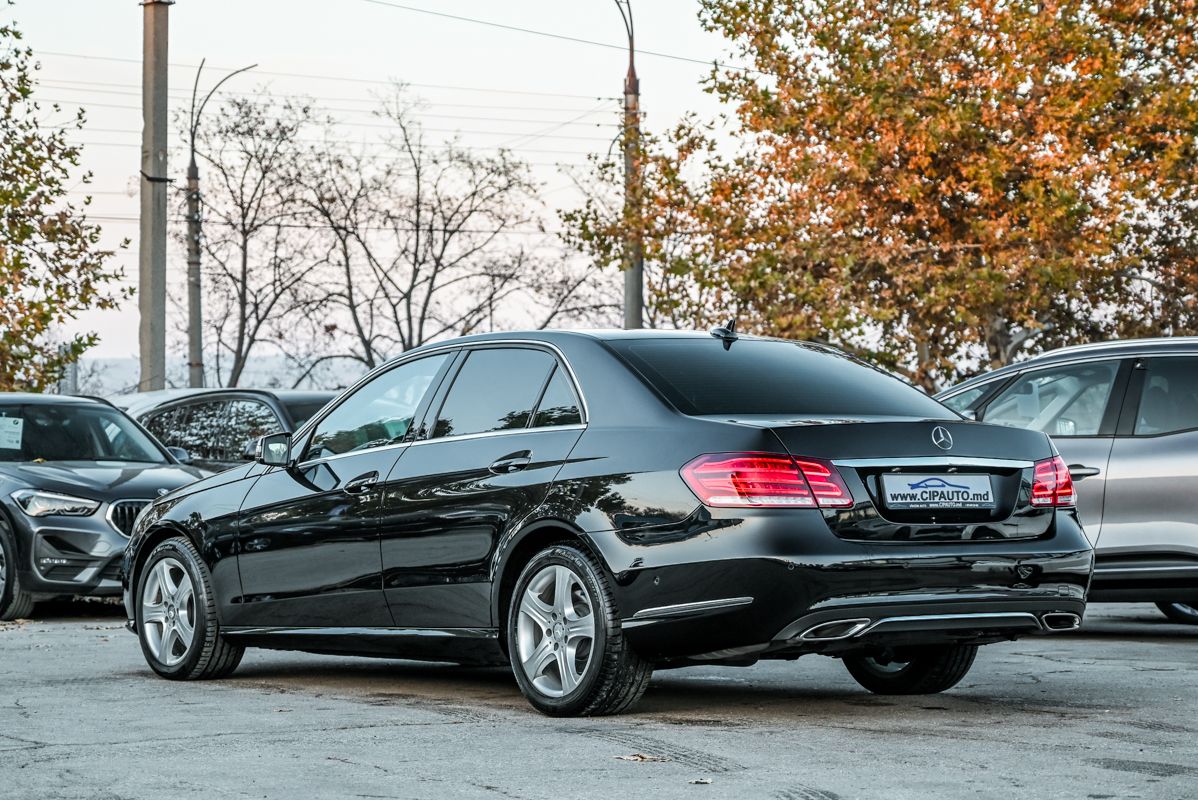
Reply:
x=195 y=298
x=634 y=248
x=151 y=247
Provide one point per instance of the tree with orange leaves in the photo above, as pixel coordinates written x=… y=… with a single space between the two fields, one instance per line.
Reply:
x=940 y=184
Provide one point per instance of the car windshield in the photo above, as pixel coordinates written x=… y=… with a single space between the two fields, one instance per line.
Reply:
x=753 y=376
x=40 y=432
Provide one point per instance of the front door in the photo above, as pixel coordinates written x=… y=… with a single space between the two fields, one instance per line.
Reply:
x=1152 y=497
x=308 y=535
x=1078 y=406
x=507 y=424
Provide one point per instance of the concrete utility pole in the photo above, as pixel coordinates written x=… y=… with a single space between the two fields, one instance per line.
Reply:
x=634 y=248
x=195 y=297
x=151 y=254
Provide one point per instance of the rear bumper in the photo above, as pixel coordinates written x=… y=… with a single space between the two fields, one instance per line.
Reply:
x=756 y=586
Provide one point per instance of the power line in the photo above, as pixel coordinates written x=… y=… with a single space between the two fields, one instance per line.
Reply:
x=380 y=228
x=338 y=78
x=70 y=85
x=549 y=35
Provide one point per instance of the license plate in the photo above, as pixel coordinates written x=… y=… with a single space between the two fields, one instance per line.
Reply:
x=937 y=491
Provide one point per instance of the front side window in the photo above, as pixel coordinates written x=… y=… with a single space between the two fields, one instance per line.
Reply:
x=496 y=389
x=1169 y=399
x=1060 y=401
x=377 y=414
x=40 y=432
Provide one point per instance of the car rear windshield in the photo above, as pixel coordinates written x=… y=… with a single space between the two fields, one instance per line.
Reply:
x=701 y=376
x=72 y=432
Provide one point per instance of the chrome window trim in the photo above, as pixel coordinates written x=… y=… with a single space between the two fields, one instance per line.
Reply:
x=305 y=429
x=506 y=432
x=935 y=461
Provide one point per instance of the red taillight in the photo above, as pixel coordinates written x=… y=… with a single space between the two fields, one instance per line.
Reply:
x=765 y=480
x=1051 y=483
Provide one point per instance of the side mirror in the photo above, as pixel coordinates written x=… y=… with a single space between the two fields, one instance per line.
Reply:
x=180 y=454
x=250 y=451
x=274 y=450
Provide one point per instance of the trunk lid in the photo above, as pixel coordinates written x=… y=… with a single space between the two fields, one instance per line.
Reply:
x=880 y=459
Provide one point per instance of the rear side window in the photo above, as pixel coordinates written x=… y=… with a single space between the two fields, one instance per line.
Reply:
x=495 y=390
x=249 y=419
x=700 y=376
x=558 y=405
x=1169 y=400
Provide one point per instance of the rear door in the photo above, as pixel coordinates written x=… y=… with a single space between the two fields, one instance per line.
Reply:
x=504 y=427
x=308 y=535
x=1152 y=494
x=1078 y=406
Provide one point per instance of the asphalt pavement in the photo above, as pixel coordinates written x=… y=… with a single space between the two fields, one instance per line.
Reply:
x=1109 y=712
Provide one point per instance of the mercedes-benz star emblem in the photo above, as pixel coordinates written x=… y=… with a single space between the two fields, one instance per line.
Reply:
x=942 y=438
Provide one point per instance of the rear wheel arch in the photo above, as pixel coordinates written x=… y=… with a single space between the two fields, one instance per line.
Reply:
x=518 y=551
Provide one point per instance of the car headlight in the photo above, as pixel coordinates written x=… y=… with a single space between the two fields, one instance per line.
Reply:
x=37 y=503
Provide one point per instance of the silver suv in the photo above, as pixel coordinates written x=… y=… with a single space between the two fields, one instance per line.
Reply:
x=1124 y=415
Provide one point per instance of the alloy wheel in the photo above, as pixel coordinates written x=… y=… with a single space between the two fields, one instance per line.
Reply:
x=555 y=631
x=168 y=611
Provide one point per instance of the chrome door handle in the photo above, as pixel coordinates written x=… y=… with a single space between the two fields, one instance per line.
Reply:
x=361 y=483
x=512 y=463
x=1079 y=471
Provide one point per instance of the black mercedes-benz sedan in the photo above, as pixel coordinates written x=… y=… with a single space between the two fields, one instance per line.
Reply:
x=591 y=506
x=74 y=474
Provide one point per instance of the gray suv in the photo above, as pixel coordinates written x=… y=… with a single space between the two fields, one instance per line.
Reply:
x=1124 y=416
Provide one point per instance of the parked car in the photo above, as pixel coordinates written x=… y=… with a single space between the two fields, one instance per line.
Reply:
x=74 y=474
x=590 y=506
x=215 y=426
x=1124 y=415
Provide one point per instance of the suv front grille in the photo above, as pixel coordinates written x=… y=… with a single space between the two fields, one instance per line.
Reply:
x=122 y=514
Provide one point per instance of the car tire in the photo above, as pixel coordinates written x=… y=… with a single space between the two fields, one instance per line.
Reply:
x=15 y=603
x=174 y=595
x=566 y=665
x=913 y=670
x=1185 y=613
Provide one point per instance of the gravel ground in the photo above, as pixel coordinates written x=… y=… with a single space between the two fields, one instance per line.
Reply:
x=1110 y=712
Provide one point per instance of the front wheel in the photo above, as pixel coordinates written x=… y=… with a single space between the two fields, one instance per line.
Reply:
x=912 y=670
x=176 y=616
x=14 y=602
x=567 y=650
x=1185 y=613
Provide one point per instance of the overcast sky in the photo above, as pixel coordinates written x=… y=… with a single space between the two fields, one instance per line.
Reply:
x=494 y=86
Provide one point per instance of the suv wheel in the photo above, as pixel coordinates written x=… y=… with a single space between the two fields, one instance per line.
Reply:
x=176 y=616
x=1185 y=613
x=14 y=603
x=912 y=670
x=567 y=650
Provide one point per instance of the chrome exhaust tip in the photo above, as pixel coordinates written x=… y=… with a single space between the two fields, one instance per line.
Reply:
x=1061 y=621
x=836 y=629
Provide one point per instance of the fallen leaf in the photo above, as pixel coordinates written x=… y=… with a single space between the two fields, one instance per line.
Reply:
x=641 y=757
x=700 y=781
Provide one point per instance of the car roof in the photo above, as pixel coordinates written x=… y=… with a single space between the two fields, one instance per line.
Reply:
x=31 y=398
x=1117 y=348
x=141 y=401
